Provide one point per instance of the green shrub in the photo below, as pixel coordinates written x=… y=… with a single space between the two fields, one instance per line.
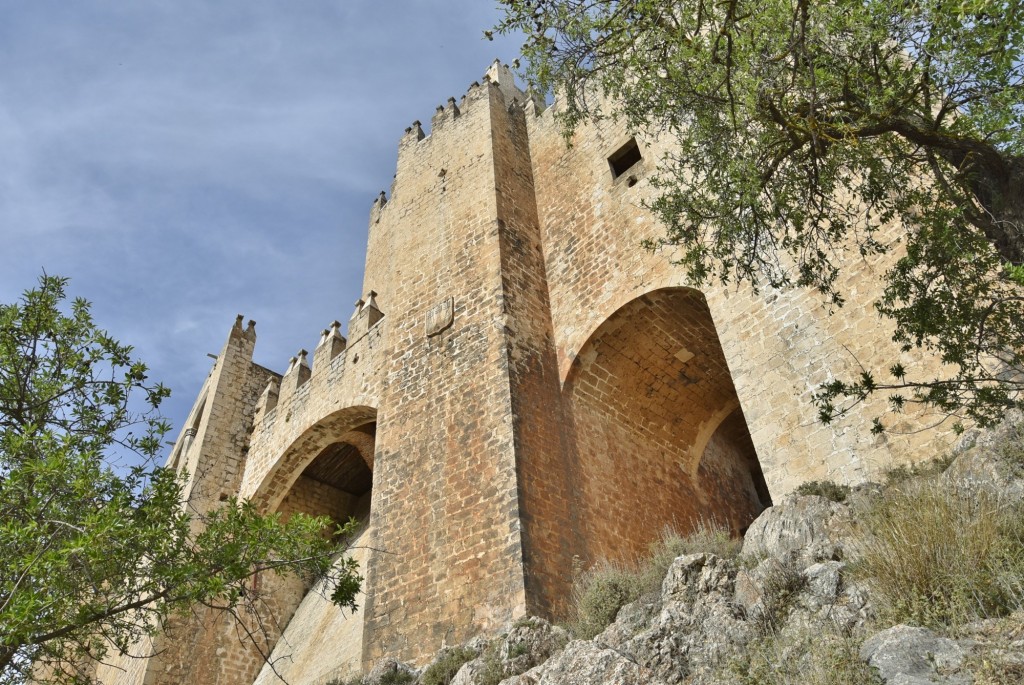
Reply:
x=941 y=558
x=491 y=671
x=398 y=677
x=816 y=655
x=903 y=473
x=825 y=488
x=597 y=596
x=444 y=669
x=527 y=622
x=599 y=593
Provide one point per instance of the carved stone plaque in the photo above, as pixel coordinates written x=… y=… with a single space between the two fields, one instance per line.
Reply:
x=440 y=316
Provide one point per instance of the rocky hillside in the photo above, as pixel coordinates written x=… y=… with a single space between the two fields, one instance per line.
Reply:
x=916 y=580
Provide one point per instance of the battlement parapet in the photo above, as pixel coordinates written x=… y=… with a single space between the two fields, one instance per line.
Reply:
x=345 y=372
x=297 y=374
x=331 y=344
x=445 y=113
x=498 y=78
x=454 y=122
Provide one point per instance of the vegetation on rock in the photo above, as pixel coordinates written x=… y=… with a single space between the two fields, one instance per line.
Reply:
x=447 y=665
x=830 y=490
x=805 y=657
x=941 y=557
x=599 y=592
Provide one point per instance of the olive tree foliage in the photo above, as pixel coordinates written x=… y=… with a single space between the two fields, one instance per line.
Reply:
x=804 y=127
x=94 y=554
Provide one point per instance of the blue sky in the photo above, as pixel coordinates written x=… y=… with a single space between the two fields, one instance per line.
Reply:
x=185 y=161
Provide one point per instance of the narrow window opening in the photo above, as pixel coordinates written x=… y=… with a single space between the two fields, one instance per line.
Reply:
x=623 y=159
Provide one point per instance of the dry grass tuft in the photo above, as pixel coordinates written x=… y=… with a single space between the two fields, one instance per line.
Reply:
x=815 y=655
x=600 y=592
x=940 y=557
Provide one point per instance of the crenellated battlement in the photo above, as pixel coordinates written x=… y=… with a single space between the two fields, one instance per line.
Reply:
x=453 y=122
x=344 y=372
x=497 y=79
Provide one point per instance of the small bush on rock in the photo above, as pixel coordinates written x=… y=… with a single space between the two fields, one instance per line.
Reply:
x=828 y=489
x=490 y=671
x=397 y=678
x=817 y=655
x=904 y=473
x=600 y=592
x=782 y=585
x=447 y=665
x=597 y=596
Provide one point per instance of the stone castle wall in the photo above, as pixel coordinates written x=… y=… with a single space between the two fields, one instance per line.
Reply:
x=522 y=389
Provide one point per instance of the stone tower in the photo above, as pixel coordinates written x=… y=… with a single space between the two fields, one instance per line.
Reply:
x=521 y=388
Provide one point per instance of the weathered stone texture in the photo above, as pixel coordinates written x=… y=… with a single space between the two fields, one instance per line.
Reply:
x=522 y=387
x=321 y=643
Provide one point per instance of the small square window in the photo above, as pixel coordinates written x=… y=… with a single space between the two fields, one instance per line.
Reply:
x=623 y=159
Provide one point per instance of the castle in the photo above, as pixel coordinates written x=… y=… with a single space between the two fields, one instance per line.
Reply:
x=521 y=388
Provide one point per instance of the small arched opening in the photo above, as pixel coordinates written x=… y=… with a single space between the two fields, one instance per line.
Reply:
x=660 y=438
x=337 y=482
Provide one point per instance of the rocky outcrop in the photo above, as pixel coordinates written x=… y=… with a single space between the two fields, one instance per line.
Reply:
x=905 y=655
x=699 y=626
x=991 y=459
x=802 y=528
x=531 y=641
x=791 y=589
x=585 y=662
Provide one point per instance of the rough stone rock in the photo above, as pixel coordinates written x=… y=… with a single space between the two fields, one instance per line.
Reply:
x=905 y=655
x=693 y=576
x=699 y=626
x=752 y=586
x=981 y=459
x=824 y=581
x=827 y=598
x=386 y=670
x=801 y=526
x=587 y=663
x=531 y=641
x=470 y=674
x=999 y=642
x=630 y=620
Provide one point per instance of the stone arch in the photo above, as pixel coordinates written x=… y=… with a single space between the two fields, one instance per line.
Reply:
x=340 y=426
x=659 y=433
x=326 y=471
x=337 y=481
x=582 y=331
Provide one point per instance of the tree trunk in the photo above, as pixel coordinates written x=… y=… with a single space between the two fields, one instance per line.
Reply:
x=1002 y=196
